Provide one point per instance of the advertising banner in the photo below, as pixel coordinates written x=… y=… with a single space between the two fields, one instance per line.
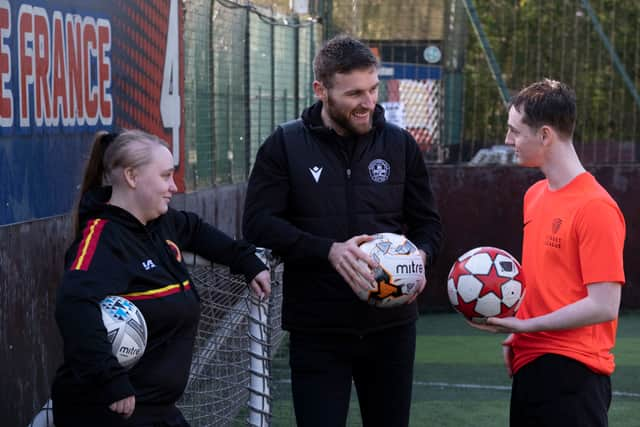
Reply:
x=70 y=68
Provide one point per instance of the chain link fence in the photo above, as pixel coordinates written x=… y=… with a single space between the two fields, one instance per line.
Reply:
x=591 y=45
x=247 y=69
x=447 y=67
x=238 y=336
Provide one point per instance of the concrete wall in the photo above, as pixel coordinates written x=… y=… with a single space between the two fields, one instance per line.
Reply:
x=479 y=206
x=31 y=258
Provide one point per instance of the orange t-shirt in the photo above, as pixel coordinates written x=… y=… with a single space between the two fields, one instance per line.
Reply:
x=572 y=237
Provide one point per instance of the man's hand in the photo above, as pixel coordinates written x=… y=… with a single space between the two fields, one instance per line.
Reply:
x=497 y=325
x=261 y=284
x=422 y=282
x=353 y=264
x=509 y=324
x=491 y=326
x=600 y=305
x=124 y=406
x=507 y=354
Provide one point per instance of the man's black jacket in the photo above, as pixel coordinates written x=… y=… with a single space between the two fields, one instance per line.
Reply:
x=310 y=187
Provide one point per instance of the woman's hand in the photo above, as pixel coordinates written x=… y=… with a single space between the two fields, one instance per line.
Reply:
x=261 y=284
x=124 y=406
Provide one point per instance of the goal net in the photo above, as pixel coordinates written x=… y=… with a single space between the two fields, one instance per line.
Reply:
x=238 y=335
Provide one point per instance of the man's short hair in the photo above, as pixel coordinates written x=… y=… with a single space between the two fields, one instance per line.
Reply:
x=547 y=102
x=341 y=54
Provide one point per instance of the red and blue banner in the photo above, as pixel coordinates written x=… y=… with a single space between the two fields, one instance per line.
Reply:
x=69 y=68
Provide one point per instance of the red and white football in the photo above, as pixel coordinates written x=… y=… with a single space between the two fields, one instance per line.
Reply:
x=486 y=282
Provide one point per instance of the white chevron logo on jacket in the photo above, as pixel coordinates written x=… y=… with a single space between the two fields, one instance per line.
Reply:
x=315 y=172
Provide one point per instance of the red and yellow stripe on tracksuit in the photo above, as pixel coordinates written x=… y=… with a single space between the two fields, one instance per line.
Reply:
x=88 y=244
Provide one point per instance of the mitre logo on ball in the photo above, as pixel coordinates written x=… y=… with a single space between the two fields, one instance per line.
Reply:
x=399 y=270
x=126 y=329
x=486 y=282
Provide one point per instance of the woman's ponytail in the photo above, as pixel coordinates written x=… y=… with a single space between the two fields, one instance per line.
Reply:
x=94 y=169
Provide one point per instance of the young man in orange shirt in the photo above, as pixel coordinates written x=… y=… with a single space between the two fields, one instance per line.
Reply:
x=559 y=350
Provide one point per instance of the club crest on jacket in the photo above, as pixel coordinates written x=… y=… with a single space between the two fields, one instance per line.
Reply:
x=379 y=170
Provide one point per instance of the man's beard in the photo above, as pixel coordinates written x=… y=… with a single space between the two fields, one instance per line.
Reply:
x=342 y=119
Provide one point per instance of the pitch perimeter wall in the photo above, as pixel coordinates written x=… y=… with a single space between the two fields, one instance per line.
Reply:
x=479 y=206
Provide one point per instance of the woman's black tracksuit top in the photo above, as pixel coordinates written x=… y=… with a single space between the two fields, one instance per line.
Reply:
x=115 y=254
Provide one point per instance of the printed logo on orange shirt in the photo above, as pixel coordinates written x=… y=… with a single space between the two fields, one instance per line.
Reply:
x=552 y=240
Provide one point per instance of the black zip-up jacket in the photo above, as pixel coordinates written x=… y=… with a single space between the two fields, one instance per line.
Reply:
x=310 y=187
x=115 y=254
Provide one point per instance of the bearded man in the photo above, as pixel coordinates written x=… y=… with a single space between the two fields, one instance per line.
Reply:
x=322 y=185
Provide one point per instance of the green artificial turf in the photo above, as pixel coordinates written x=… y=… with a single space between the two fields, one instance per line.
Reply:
x=460 y=380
